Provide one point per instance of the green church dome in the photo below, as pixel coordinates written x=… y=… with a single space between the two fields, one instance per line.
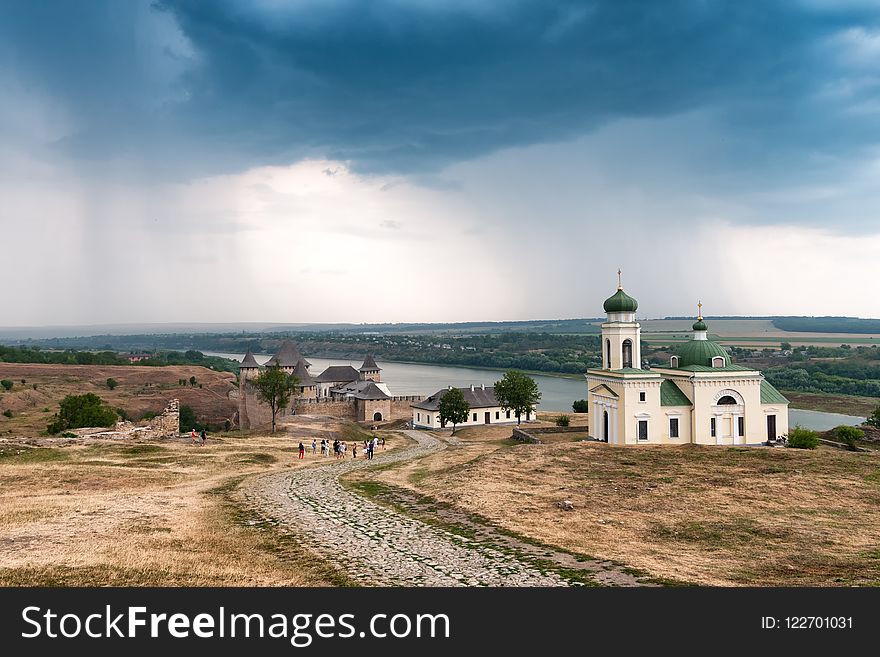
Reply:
x=701 y=352
x=700 y=325
x=620 y=302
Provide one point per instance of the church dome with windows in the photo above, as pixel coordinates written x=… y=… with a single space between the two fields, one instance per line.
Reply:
x=620 y=302
x=701 y=352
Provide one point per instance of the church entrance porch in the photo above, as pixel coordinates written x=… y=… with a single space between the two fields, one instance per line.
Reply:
x=728 y=412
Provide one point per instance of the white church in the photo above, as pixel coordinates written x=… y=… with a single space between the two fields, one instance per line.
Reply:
x=701 y=397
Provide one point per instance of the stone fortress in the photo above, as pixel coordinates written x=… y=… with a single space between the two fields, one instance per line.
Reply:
x=339 y=391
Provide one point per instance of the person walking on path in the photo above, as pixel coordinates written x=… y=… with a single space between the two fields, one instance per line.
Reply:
x=204 y=436
x=193 y=436
x=354 y=450
x=383 y=442
x=302 y=451
x=314 y=446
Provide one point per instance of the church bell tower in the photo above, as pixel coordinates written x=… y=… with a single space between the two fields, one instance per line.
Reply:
x=621 y=333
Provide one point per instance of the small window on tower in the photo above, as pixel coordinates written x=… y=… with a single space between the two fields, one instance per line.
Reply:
x=717 y=361
x=673 y=362
x=643 y=396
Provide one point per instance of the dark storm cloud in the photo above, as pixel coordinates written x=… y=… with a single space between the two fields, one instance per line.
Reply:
x=405 y=86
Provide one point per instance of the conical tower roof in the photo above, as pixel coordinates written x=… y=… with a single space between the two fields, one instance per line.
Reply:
x=287 y=356
x=369 y=364
x=249 y=362
x=301 y=372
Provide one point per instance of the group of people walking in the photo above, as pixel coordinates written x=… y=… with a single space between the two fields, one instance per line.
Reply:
x=198 y=439
x=340 y=448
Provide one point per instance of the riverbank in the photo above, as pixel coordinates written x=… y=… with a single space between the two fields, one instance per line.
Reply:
x=845 y=404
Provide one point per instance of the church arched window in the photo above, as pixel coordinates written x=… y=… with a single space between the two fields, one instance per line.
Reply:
x=627 y=353
x=673 y=362
x=608 y=354
x=717 y=361
x=726 y=400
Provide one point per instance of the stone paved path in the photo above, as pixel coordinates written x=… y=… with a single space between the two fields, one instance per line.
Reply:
x=380 y=546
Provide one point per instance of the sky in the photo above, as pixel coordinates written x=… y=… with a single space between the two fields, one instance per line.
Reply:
x=436 y=160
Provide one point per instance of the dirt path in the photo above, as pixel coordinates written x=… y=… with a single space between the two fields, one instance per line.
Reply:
x=378 y=546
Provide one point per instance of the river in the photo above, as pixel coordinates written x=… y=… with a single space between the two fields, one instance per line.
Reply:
x=557 y=393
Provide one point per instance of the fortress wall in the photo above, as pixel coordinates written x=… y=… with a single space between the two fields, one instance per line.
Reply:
x=401 y=409
x=343 y=409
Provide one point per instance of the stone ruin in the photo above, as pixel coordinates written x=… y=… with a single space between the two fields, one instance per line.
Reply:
x=167 y=424
x=164 y=425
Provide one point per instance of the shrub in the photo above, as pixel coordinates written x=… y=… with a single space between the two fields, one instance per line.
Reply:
x=34 y=386
x=6 y=383
x=77 y=411
x=580 y=406
x=563 y=420
x=874 y=419
x=112 y=383
x=68 y=434
x=849 y=436
x=801 y=438
x=24 y=381
x=7 y=413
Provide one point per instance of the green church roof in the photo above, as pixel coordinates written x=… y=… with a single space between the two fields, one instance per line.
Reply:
x=770 y=395
x=620 y=302
x=671 y=395
x=700 y=325
x=701 y=352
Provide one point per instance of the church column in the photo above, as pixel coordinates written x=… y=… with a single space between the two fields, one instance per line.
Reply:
x=613 y=417
x=596 y=419
x=719 y=429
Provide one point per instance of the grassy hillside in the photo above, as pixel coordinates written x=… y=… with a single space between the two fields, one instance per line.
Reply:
x=140 y=390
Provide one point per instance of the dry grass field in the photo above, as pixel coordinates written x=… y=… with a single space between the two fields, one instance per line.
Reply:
x=140 y=389
x=701 y=515
x=151 y=513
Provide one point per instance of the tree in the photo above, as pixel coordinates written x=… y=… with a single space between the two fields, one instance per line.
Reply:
x=580 y=406
x=453 y=408
x=188 y=419
x=112 y=383
x=563 y=420
x=6 y=383
x=874 y=419
x=192 y=381
x=517 y=392
x=77 y=411
x=275 y=388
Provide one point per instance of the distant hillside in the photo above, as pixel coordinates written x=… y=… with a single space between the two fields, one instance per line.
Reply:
x=827 y=324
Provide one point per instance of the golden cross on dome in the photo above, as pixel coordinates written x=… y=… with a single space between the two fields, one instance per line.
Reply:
x=699 y=310
x=619 y=286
